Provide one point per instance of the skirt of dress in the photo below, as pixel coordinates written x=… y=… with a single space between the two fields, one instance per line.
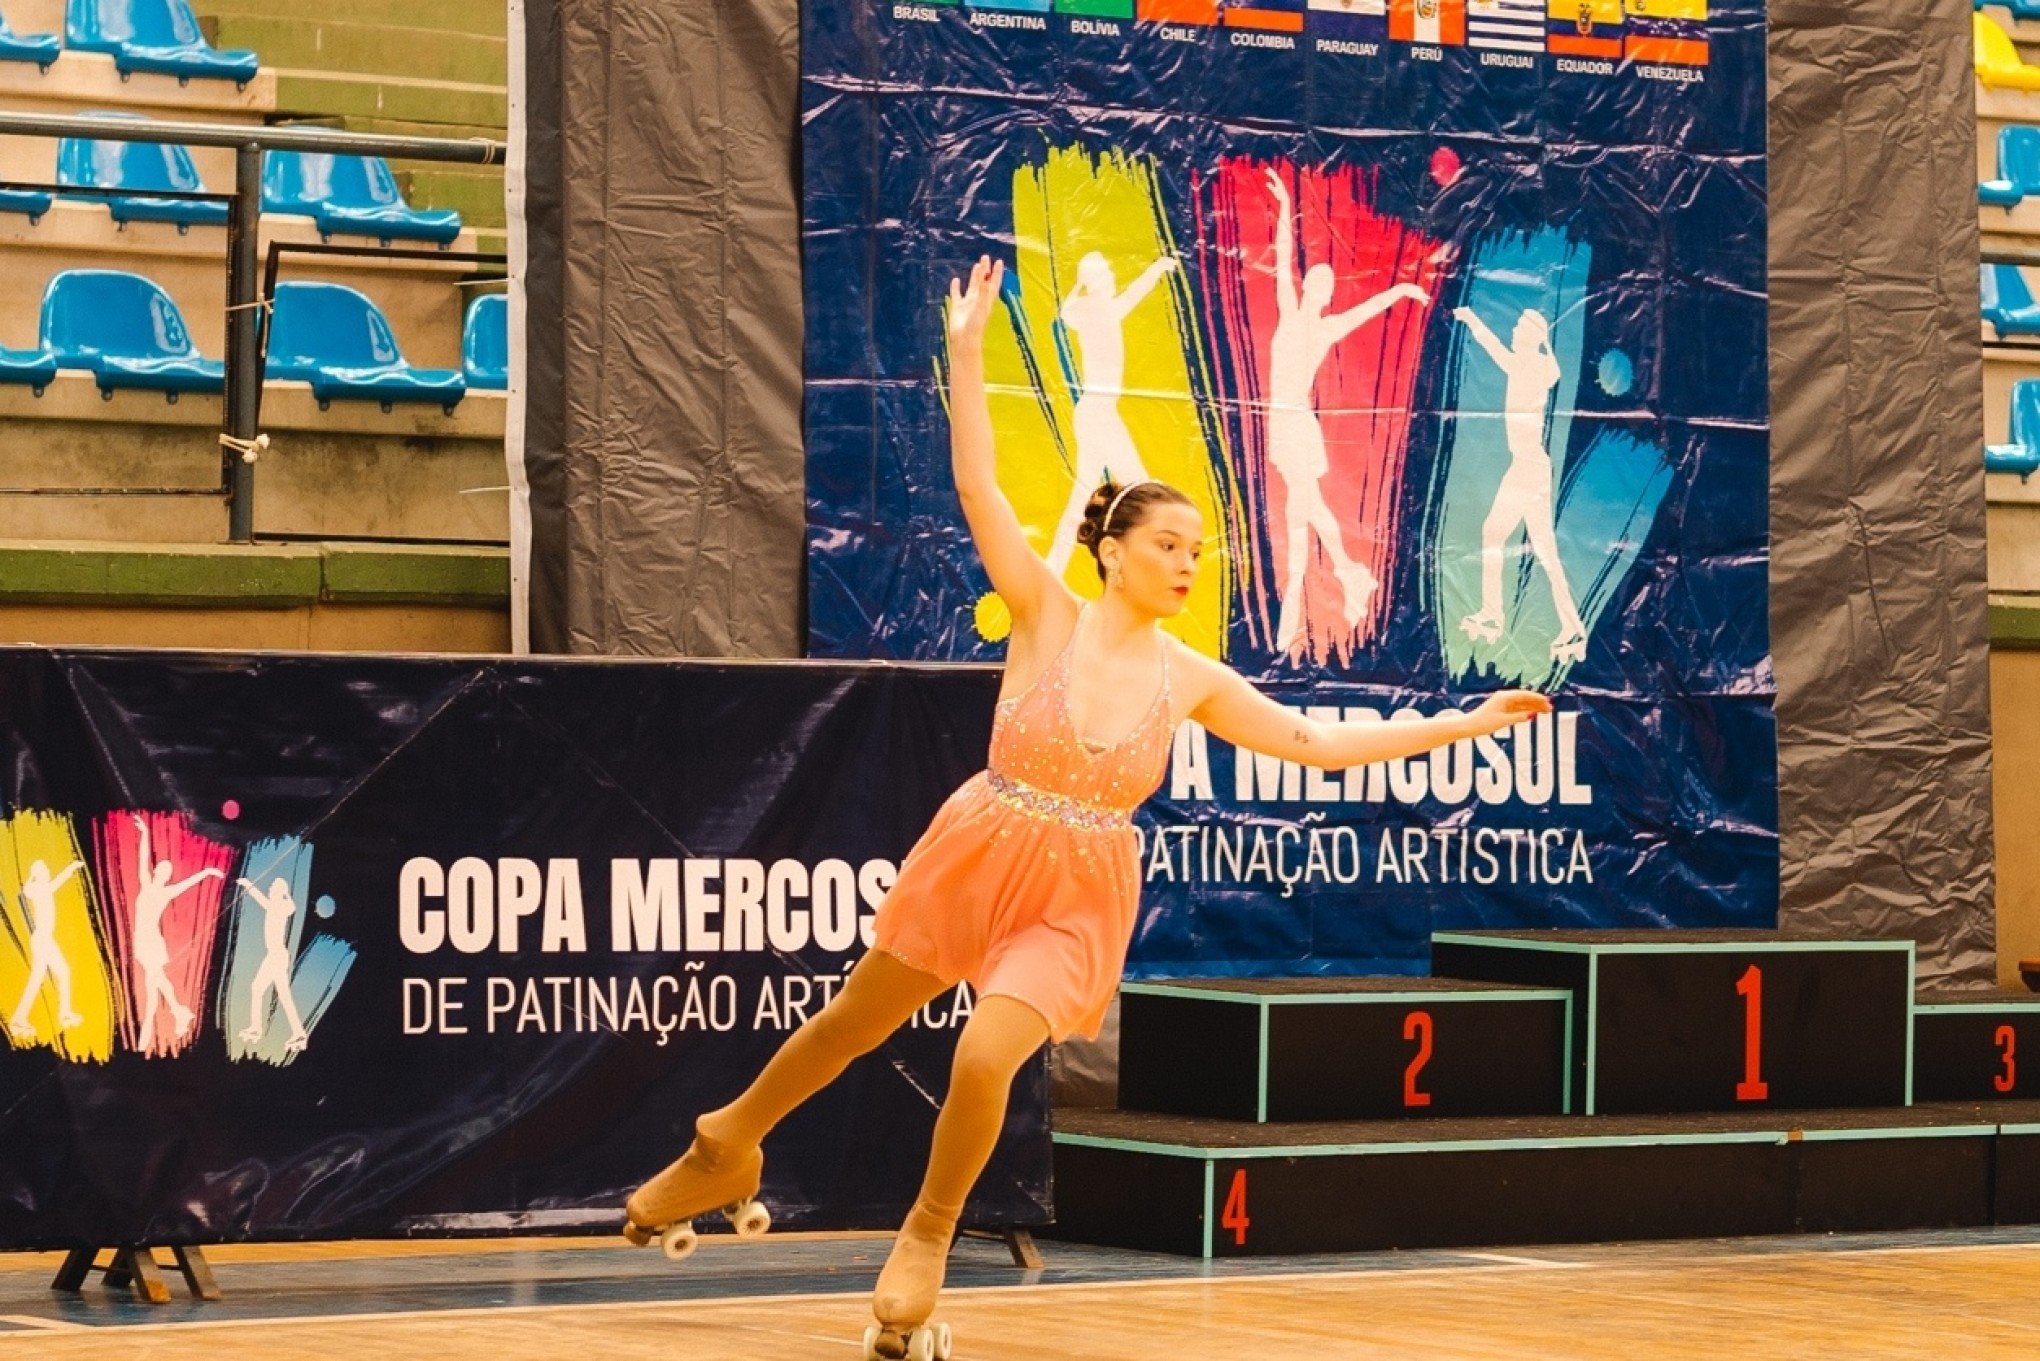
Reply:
x=1019 y=905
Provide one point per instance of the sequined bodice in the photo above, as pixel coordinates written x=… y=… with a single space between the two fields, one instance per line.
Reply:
x=1035 y=748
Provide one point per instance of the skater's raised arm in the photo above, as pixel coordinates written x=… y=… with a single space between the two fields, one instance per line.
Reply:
x=57 y=881
x=1489 y=341
x=183 y=884
x=1234 y=711
x=1344 y=323
x=1286 y=298
x=255 y=893
x=1131 y=296
x=142 y=853
x=1018 y=573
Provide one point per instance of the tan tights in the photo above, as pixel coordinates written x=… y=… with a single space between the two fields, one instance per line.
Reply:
x=877 y=999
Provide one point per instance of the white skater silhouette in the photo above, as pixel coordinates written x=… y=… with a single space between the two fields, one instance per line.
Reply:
x=1305 y=335
x=152 y=898
x=274 y=972
x=45 y=960
x=1525 y=495
x=1095 y=313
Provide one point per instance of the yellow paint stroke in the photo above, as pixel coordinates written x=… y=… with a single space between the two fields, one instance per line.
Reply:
x=26 y=837
x=1691 y=10
x=1072 y=204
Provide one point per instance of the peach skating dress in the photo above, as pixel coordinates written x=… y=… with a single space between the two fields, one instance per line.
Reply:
x=1028 y=880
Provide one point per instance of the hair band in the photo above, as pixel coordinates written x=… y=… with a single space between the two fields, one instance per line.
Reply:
x=1106 y=527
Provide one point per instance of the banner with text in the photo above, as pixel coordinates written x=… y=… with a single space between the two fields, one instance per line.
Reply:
x=1448 y=314
x=297 y=947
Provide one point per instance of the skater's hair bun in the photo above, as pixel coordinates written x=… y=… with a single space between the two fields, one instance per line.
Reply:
x=1113 y=510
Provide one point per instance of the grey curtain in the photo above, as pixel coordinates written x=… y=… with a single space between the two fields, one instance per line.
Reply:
x=663 y=412
x=1878 y=612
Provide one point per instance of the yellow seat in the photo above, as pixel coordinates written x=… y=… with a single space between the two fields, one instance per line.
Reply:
x=1998 y=62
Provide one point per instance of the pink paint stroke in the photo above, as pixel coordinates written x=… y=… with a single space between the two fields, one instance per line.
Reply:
x=188 y=924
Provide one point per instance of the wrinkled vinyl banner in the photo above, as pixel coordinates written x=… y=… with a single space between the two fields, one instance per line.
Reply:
x=322 y=947
x=1449 y=314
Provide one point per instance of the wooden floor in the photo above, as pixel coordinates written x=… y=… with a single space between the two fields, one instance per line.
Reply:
x=1917 y=1299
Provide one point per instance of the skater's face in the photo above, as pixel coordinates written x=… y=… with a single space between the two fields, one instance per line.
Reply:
x=1157 y=558
x=1530 y=331
x=38 y=872
x=1318 y=281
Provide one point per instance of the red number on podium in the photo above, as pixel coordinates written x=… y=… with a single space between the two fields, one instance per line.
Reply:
x=1751 y=986
x=2007 y=1040
x=1416 y=1026
x=1234 y=1216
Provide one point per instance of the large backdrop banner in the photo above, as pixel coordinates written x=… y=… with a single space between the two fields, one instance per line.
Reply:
x=1449 y=314
x=314 y=947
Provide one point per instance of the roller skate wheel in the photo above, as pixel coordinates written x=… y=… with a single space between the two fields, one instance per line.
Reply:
x=921 y=1345
x=943 y=1342
x=750 y=1219
x=678 y=1242
x=636 y=1236
x=874 y=1337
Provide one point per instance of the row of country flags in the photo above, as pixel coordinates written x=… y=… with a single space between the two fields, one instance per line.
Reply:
x=1664 y=31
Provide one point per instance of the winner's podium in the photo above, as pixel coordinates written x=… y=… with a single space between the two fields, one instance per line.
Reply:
x=1551 y=1086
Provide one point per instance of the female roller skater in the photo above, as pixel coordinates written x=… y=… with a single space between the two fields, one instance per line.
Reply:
x=1027 y=882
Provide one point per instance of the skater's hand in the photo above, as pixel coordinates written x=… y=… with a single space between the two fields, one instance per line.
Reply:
x=1168 y=264
x=212 y=873
x=1412 y=293
x=1279 y=187
x=1465 y=314
x=141 y=822
x=1506 y=708
x=971 y=308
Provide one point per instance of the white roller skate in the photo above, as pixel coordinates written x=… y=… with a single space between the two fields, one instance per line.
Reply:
x=1570 y=647
x=709 y=1176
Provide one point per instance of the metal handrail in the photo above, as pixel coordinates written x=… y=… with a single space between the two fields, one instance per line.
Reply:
x=240 y=410
x=472 y=150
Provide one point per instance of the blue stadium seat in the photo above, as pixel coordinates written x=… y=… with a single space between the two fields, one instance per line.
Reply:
x=356 y=194
x=33 y=202
x=37 y=367
x=2022 y=455
x=2007 y=302
x=126 y=331
x=137 y=165
x=40 y=48
x=337 y=340
x=485 y=343
x=2018 y=166
x=152 y=35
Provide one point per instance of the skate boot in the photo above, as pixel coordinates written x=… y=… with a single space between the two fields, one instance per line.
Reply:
x=1571 y=646
x=710 y=1175
x=907 y=1289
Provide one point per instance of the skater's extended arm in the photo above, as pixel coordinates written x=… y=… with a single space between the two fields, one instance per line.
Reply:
x=1488 y=340
x=183 y=884
x=65 y=873
x=1018 y=573
x=1135 y=292
x=142 y=852
x=255 y=893
x=1286 y=299
x=1236 y=712
x=1344 y=323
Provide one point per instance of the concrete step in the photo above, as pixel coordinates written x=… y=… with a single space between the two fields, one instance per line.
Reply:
x=302 y=93
x=476 y=191
x=370 y=49
x=142 y=592
x=487 y=18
